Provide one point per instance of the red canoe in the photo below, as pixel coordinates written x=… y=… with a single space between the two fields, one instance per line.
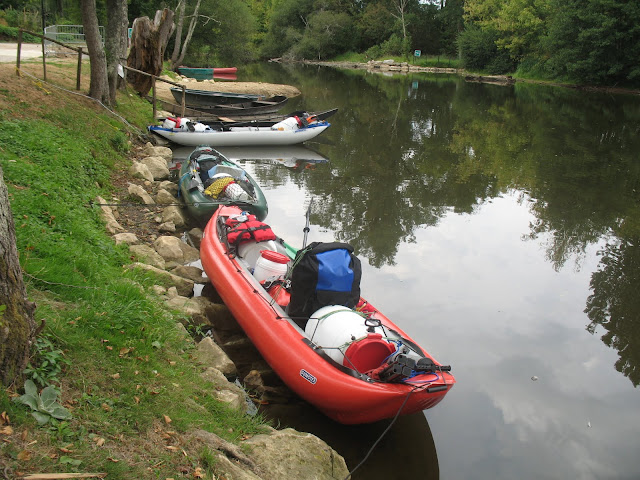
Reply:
x=403 y=378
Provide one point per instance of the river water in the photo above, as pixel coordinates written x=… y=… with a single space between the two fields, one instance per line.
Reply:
x=499 y=226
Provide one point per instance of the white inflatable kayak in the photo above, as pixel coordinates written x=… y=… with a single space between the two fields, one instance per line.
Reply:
x=290 y=131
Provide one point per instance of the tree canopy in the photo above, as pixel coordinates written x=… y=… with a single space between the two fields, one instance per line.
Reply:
x=581 y=41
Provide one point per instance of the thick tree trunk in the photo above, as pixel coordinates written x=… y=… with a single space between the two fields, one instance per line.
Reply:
x=17 y=326
x=99 y=88
x=116 y=43
x=148 y=43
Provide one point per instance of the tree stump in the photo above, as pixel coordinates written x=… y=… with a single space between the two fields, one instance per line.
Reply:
x=148 y=43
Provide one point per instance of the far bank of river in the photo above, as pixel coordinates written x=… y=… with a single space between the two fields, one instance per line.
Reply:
x=391 y=66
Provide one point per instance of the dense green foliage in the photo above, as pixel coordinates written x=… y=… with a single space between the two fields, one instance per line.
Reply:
x=589 y=42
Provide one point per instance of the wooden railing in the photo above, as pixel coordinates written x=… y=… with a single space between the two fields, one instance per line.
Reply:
x=81 y=52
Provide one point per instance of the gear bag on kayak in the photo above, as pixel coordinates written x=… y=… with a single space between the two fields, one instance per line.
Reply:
x=324 y=274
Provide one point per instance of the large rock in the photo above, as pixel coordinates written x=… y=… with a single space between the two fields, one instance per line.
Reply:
x=225 y=391
x=190 y=272
x=314 y=459
x=128 y=238
x=169 y=248
x=210 y=354
x=148 y=255
x=151 y=151
x=184 y=286
x=195 y=235
x=108 y=216
x=141 y=171
x=169 y=186
x=173 y=214
x=165 y=197
x=141 y=193
x=157 y=166
x=172 y=249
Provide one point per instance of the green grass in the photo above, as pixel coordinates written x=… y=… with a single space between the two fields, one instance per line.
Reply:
x=109 y=344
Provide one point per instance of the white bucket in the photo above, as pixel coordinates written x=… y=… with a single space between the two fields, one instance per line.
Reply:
x=271 y=264
x=290 y=123
x=334 y=326
x=250 y=251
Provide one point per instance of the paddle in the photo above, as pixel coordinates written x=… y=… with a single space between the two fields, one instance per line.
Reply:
x=292 y=251
x=306 y=228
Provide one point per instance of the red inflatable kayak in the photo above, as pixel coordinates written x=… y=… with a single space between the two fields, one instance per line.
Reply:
x=354 y=365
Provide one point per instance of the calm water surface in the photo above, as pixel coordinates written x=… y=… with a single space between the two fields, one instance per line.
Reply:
x=500 y=227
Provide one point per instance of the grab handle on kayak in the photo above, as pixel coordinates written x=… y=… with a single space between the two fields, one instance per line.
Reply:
x=437 y=388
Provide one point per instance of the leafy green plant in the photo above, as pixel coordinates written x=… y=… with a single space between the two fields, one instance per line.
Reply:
x=45 y=405
x=48 y=362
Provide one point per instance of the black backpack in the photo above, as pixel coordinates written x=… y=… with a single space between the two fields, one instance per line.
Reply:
x=323 y=274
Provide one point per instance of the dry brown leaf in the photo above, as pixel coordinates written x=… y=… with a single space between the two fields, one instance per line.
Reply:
x=112 y=460
x=24 y=435
x=198 y=473
x=173 y=448
x=115 y=376
x=65 y=450
x=99 y=441
x=4 y=419
x=124 y=351
x=167 y=419
x=106 y=407
x=24 y=455
x=136 y=399
x=109 y=347
x=6 y=430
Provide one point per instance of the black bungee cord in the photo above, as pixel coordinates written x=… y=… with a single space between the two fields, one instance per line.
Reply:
x=386 y=430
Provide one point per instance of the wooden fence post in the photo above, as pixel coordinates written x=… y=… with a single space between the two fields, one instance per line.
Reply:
x=153 y=86
x=44 y=61
x=79 y=71
x=184 y=100
x=19 y=48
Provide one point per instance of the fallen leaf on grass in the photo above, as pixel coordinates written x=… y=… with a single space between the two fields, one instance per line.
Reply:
x=115 y=376
x=198 y=473
x=173 y=448
x=4 y=419
x=167 y=419
x=24 y=455
x=6 y=430
x=124 y=351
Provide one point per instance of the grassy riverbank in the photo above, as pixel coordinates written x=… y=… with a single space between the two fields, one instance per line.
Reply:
x=108 y=345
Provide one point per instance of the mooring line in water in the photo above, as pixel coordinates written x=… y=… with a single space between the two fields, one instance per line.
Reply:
x=386 y=430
